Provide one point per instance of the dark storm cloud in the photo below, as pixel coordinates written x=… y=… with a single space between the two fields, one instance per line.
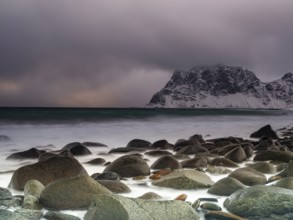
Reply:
x=118 y=53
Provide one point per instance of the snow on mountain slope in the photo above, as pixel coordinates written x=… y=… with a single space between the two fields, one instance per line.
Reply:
x=223 y=87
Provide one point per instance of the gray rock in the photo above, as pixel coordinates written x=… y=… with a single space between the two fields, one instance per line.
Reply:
x=150 y=196
x=210 y=206
x=16 y=201
x=32 y=153
x=249 y=176
x=30 y=214
x=237 y=155
x=139 y=143
x=218 y=170
x=115 y=186
x=219 y=215
x=71 y=193
x=129 y=166
x=53 y=215
x=47 y=171
x=223 y=162
x=260 y=201
x=97 y=161
x=166 y=162
x=263 y=167
x=185 y=179
x=77 y=148
x=108 y=175
x=197 y=162
x=6 y=214
x=284 y=156
x=286 y=183
x=226 y=186
x=5 y=194
x=265 y=131
x=32 y=193
x=122 y=208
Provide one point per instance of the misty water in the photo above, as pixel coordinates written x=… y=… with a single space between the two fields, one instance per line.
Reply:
x=51 y=132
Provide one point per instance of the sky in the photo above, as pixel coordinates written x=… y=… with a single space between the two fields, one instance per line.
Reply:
x=118 y=53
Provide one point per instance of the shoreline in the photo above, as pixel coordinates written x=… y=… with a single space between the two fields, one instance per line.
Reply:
x=138 y=187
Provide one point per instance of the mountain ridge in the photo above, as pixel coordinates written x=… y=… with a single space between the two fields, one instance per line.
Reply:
x=222 y=86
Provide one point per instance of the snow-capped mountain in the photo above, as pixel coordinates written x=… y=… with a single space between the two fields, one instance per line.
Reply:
x=223 y=87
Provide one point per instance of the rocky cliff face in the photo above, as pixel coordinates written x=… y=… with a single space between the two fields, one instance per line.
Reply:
x=223 y=87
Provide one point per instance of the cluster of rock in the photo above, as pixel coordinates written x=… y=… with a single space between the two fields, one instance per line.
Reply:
x=59 y=182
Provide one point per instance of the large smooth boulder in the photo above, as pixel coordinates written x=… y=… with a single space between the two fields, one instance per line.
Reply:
x=32 y=153
x=185 y=179
x=122 y=208
x=249 y=176
x=71 y=193
x=263 y=167
x=260 y=201
x=47 y=171
x=139 y=143
x=226 y=186
x=265 y=131
x=166 y=162
x=129 y=166
x=77 y=149
x=284 y=156
x=237 y=155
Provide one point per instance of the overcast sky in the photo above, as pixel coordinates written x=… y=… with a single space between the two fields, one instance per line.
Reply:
x=118 y=53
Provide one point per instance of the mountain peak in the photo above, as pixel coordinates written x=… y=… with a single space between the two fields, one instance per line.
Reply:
x=222 y=86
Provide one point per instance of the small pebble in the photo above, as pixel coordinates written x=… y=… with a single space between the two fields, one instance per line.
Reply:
x=155 y=176
x=181 y=197
x=211 y=206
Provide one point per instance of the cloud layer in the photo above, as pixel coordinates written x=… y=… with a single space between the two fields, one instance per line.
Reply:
x=118 y=53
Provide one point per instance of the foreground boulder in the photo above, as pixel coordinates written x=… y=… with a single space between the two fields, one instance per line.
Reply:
x=122 y=208
x=260 y=201
x=71 y=193
x=47 y=171
x=265 y=131
x=129 y=166
x=185 y=179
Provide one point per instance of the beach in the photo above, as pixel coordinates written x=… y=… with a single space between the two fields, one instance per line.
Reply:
x=116 y=131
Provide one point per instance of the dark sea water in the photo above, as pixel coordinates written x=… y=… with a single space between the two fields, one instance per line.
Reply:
x=108 y=114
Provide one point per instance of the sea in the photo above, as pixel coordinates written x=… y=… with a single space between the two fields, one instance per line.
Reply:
x=53 y=128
